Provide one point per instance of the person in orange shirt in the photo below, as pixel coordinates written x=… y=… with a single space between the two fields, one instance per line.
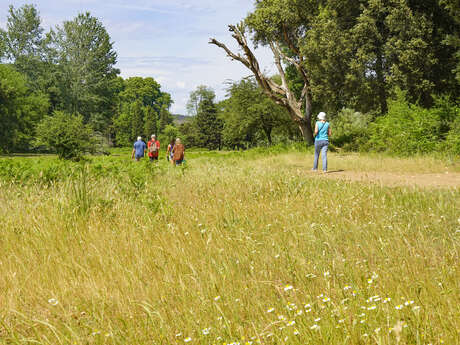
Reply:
x=153 y=148
x=178 y=152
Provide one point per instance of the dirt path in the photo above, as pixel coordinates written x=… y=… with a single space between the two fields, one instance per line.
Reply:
x=446 y=180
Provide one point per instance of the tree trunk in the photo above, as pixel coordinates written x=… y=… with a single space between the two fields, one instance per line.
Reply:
x=307 y=132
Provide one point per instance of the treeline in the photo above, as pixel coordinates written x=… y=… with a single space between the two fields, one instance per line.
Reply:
x=386 y=72
x=68 y=74
x=353 y=57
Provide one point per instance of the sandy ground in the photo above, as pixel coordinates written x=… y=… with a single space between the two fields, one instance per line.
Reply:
x=440 y=180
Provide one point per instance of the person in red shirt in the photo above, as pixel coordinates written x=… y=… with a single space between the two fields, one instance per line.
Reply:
x=153 y=147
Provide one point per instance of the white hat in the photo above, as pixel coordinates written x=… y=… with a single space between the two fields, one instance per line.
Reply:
x=139 y=138
x=153 y=136
x=322 y=116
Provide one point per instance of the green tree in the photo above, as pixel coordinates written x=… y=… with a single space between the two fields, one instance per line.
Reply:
x=86 y=61
x=250 y=115
x=20 y=109
x=67 y=135
x=201 y=93
x=150 y=121
x=137 y=118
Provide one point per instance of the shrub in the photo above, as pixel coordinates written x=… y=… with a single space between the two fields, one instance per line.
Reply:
x=409 y=128
x=67 y=135
x=453 y=136
x=349 y=129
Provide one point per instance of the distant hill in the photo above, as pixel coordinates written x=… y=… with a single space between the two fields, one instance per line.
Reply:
x=180 y=119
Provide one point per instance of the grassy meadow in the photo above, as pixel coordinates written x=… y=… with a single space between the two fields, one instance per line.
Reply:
x=232 y=248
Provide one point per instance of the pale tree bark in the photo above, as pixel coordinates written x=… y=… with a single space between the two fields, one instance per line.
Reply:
x=281 y=94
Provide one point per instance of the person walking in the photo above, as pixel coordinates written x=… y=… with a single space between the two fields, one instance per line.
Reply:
x=322 y=134
x=169 y=151
x=178 y=152
x=153 y=148
x=139 y=149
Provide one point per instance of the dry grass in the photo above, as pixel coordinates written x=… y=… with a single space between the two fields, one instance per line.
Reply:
x=249 y=251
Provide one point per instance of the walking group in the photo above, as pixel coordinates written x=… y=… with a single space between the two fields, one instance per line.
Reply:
x=175 y=152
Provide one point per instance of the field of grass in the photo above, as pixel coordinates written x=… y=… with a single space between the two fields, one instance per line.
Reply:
x=234 y=248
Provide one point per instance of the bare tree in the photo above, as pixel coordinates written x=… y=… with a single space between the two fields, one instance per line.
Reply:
x=281 y=94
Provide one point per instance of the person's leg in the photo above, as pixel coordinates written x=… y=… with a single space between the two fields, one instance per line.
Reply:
x=324 y=155
x=315 y=162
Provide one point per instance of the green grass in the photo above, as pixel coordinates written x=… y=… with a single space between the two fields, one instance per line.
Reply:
x=247 y=247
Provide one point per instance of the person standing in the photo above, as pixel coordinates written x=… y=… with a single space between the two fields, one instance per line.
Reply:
x=178 y=152
x=139 y=149
x=322 y=134
x=153 y=148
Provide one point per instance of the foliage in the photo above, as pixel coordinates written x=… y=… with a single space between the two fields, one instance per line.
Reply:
x=20 y=110
x=86 y=60
x=350 y=129
x=409 y=128
x=67 y=135
x=250 y=116
x=452 y=144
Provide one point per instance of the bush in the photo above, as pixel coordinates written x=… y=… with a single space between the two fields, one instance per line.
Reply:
x=67 y=135
x=453 y=137
x=349 y=129
x=409 y=128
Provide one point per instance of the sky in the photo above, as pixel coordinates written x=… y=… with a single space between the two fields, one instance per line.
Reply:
x=163 y=39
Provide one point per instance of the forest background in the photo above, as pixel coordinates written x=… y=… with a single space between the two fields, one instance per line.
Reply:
x=386 y=72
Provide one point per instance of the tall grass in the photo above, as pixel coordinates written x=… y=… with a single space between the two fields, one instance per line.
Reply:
x=228 y=250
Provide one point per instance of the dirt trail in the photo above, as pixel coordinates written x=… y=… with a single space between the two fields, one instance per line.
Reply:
x=440 y=180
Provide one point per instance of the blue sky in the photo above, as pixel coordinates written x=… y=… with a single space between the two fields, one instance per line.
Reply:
x=163 y=39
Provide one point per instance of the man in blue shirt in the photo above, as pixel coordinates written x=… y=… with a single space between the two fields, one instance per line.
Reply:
x=139 y=149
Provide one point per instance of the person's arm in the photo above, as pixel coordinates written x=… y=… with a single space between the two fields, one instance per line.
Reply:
x=316 y=130
x=329 y=132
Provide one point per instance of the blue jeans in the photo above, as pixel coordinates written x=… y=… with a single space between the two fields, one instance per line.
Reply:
x=321 y=147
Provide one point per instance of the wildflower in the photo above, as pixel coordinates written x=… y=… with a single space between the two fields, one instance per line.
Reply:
x=281 y=317
x=365 y=335
x=326 y=299
x=288 y=287
x=216 y=298
x=416 y=308
x=291 y=323
x=362 y=321
x=341 y=321
x=375 y=276
x=300 y=312
x=296 y=332
x=386 y=300
x=277 y=256
x=269 y=335
x=369 y=281
x=347 y=287
x=108 y=335
x=311 y=275
x=271 y=310
x=354 y=293
x=317 y=319
x=399 y=307
x=96 y=332
x=53 y=301
x=307 y=310
x=372 y=307
x=377 y=330
x=206 y=331
x=306 y=306
x=178 y=335
x=188 y=339
x=326 y=274
x=320 y=296
x=315 y=327
x=362 y=315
